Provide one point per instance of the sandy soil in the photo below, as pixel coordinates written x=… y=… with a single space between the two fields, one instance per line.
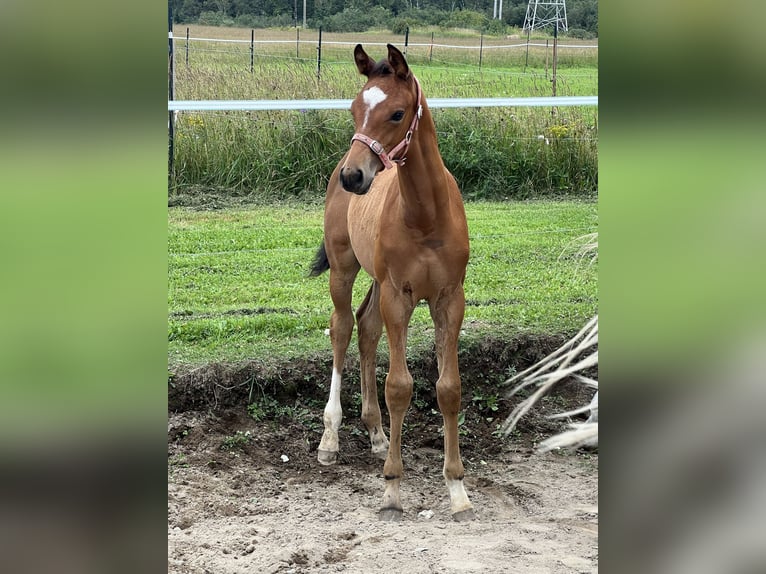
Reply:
x=263 y=504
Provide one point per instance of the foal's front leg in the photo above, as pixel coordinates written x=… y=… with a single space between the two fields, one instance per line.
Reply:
x=341 y=326
x=396 y=309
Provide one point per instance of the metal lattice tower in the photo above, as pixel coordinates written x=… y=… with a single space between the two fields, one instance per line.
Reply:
x=541 y=13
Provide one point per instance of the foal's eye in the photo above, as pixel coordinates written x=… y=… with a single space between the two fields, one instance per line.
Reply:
x=397 y=117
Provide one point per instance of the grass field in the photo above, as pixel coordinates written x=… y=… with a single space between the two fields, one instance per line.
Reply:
x=238 y=285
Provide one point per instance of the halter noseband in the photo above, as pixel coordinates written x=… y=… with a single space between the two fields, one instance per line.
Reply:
x=398 y=153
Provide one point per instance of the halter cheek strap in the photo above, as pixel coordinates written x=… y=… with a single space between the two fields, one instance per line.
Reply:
x=399 y=152
x=376 y=147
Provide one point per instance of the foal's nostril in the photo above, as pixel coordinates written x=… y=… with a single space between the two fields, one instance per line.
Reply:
x=351 y=179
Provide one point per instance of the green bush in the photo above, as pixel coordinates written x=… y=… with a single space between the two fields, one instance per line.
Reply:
x=496 y=28
x=465 y=19
x=580 y=34
x=253 y=21
x=400 y=25
x=424 y=16
x=356 y=20
x=214 y=19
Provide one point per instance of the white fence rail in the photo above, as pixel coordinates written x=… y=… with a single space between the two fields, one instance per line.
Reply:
x=328 y=104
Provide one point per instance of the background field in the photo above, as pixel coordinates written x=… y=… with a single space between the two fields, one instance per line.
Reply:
x=446 y=49
x=495 y=153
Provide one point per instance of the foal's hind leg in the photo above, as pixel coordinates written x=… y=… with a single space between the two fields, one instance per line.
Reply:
x=370 y=326
x=341 y=325
x=447 y=313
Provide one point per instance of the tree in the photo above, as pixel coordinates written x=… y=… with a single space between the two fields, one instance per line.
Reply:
x=581 y=14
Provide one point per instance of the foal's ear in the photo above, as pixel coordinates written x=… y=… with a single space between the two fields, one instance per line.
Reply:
x=398 y=63
x=363 y=62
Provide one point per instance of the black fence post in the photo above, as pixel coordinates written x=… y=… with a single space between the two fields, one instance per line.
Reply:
x=319 y=54
x=406 y=40
x=297 y=43
x=252 y=48
x=431 y=50
x=481 y=47
x=546 y=58
x=187 y=46
x=526 y=61
x=171 y=93
x=555 y=55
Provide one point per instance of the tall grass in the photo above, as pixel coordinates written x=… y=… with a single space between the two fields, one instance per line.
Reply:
x=493 y=153
x=502 y=154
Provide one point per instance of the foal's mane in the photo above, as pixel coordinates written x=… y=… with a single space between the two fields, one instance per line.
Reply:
x=381 y=68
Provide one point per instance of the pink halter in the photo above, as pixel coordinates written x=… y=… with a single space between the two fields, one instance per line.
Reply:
x=398 y=153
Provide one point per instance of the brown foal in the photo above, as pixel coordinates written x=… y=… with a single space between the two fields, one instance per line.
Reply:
x=404 y=223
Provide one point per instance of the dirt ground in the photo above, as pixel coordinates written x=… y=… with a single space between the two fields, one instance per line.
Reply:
x=247 y=495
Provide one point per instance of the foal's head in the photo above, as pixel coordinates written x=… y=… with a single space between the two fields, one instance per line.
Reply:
x=385 y=115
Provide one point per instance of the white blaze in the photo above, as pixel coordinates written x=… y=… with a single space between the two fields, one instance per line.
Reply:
x=372 y=97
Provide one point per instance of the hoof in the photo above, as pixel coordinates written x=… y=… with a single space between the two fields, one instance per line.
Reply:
x=464 y=515
x=390 y=514
x=327 y=457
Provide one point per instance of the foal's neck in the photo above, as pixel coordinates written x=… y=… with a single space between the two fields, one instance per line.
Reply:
x=423 y=179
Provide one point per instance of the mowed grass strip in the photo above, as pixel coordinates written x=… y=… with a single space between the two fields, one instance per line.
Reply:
x=218 y=76
x=239 y=290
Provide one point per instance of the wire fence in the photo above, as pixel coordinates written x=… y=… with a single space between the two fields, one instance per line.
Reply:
x=412 y=45
x=307 y=46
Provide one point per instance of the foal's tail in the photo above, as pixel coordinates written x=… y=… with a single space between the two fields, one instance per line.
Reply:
x=320 y=263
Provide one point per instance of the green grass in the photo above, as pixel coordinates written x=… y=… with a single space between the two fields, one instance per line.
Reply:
x=238 y=285
x=273 y=79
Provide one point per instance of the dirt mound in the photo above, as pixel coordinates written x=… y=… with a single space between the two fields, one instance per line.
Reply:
x=483 y=362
